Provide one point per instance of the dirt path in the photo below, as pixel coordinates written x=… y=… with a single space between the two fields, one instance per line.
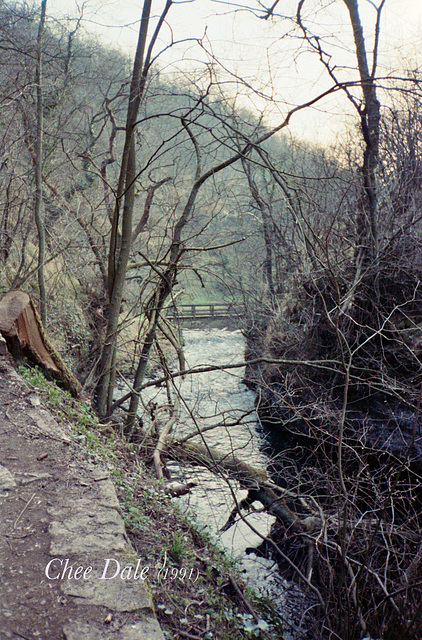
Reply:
x=57 y=506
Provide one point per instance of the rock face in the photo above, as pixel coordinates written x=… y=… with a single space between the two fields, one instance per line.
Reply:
x=60 y=523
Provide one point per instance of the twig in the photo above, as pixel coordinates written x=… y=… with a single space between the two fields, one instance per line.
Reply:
x=318 y=364
x=243 y=599
x=185 y=634
x=20 y=635
x=23 y=511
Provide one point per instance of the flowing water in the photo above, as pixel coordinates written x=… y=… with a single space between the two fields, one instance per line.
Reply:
x=220 y=398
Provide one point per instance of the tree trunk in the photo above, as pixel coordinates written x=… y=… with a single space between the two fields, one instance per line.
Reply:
x=119 y=256
x=266 y=224
x=120 y=245
x=38 y=167
x=250 y=478
x=370 y=124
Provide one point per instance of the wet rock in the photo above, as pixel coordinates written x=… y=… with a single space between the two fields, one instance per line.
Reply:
x=27 y=478
x=7 y=481
x=115 y=594
x=86 y=527
x=46 y=424
x=145 y=629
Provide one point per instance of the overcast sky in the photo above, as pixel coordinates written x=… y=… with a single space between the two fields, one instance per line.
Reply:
x=258 y=50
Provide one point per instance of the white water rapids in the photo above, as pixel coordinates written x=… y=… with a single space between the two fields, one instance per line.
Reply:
x=220 y=397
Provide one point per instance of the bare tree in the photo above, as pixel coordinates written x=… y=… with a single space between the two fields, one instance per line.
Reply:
x=39 y=164
x=120 y=246
x=368 y=109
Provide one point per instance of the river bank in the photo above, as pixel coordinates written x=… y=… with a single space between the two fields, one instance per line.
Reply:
x=351 y=454
x=195 y=588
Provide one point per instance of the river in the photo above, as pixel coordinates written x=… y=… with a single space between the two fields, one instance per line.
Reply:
x=221 y=398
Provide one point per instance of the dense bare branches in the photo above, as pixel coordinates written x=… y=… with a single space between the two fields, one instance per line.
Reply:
x=175 y=187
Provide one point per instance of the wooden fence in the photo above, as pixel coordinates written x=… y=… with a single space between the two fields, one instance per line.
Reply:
x=202 y=311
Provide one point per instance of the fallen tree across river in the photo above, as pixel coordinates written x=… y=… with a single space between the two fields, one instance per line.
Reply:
x=358 y=546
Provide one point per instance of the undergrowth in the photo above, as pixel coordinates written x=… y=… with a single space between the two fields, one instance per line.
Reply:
x=196 y=587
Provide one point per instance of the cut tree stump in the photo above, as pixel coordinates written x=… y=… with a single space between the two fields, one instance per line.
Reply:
x=21 y=327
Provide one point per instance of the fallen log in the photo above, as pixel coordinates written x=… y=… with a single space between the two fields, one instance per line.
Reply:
x=336 y=553
x=254 y=480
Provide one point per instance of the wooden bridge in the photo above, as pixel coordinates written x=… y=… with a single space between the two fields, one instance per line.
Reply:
x=202 y=311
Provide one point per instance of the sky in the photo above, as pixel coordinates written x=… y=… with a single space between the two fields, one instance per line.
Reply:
x=278 y=71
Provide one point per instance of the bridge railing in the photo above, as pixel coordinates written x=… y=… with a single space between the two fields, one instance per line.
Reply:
x=198 y=311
